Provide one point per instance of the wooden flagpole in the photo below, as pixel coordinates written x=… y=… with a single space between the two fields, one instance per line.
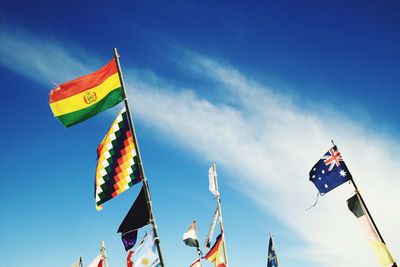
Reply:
x=221 y=224
x=103 y=253
x=141 y=169
x=365 y=206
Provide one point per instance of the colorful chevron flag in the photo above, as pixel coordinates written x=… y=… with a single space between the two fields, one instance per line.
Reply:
x=117 y=167
x=84 y=97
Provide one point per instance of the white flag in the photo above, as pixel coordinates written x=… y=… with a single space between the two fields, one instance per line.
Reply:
x=76 y=264
x=211 y=181
x=207 y=243
x=97 y=262
x=196 y=263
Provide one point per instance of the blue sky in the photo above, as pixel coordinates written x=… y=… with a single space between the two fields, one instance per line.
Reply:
x=259 y=89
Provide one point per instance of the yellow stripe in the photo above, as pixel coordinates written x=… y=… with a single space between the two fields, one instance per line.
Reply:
x=77 y=102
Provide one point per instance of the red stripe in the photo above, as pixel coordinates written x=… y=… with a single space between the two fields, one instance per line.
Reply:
x=129 y=262
x=83 y=83
x=214 y=248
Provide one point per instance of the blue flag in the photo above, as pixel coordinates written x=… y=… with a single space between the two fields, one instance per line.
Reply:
x=329 y=172
x=272 y=260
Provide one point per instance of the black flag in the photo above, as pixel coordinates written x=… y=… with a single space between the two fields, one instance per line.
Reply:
x=137 y=217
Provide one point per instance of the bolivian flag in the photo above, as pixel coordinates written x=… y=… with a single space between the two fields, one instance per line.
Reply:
x=84 y=97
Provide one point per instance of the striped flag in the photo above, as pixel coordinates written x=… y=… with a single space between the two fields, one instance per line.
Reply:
x=216 y=254
x=84 y=97
x=382 y=253
x=190 y=236
x=117 y=167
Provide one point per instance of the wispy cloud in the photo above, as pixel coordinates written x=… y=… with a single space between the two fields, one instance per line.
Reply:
x=41 y=58
x=269 y=143
x=264 y=139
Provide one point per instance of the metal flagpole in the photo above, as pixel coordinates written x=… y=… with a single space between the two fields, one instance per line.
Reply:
x=141 y=169
x=103 y=253
x=366 y=208
x=221 y=225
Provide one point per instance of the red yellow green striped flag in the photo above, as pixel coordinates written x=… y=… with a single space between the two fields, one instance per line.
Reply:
x=84 y=97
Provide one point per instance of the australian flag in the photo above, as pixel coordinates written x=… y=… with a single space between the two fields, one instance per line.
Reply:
x=329 y=172
x=272 y=260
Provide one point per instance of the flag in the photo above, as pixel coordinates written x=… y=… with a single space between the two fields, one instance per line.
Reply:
x=117 y=165
x=211 y=181
x=129 y=262
x=97 y=262
x=196 y=263
x=84 y=97
x=216 y=254
x=382 y=253
x=190 y=236
x=76 y=264
x=207 y=243
x=272 y=260
x=137 y=217
x=145 y=254
x=329 y=172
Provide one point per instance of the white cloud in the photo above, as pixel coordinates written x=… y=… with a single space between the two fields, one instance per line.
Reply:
x=265 y=139
x=41 y=58
x=269 y=143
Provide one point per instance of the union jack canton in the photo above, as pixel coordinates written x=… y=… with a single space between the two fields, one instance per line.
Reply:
x=329 y=172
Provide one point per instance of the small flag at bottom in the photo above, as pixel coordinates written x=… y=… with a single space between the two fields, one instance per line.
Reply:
x=97 y=262
x=145 y=254
x=196 y=263
x=190 y=236
x=216 y=254
x=272 y=260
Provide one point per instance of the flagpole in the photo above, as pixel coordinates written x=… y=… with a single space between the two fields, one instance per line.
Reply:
x=363 y=202
x=366 y=208
x=221 y=225
x=141 y=169
x=103 y=253
x=199 y=252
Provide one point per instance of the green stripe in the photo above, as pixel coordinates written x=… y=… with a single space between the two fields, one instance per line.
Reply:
x=355 y=206
x=113 y=98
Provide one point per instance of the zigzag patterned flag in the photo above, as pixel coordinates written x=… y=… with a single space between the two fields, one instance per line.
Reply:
x=117 y=167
